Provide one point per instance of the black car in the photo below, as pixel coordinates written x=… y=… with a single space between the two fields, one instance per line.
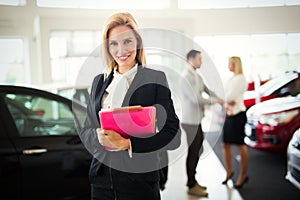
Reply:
x=41 y=155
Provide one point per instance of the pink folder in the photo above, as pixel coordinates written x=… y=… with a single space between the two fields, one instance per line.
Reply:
x=135 y=121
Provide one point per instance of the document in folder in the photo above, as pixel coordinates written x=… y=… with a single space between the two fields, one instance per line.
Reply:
x=135 y=121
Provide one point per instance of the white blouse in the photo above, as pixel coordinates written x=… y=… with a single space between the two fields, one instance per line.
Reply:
x=116 y=91
x=234 y=91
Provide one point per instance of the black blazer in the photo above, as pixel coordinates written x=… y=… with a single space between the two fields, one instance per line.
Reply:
x=149 y=87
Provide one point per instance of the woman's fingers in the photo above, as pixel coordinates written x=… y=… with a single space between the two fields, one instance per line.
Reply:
x=112 y=135
x=112 y=139
x=101 y=137
x=106 y=137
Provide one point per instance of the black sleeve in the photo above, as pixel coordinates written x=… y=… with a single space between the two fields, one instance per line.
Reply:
x=88 y=134
x=168 y=136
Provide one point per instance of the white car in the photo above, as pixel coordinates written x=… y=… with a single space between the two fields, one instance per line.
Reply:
x=293 y=160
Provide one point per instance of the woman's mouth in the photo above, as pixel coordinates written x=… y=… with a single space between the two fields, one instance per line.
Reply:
x=123 y=58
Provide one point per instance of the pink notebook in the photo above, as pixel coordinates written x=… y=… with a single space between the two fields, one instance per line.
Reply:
x=135 y=121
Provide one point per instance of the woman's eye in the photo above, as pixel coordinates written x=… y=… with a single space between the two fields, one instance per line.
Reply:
x=127 y=41
x=112 y=43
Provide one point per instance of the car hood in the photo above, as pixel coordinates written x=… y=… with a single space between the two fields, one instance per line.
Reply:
x=271 y=86
x=274 y=106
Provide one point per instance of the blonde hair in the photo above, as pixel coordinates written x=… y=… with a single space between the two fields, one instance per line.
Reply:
x=238 y=68
x=128 y=20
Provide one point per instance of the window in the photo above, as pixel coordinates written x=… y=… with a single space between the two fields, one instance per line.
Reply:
x=293 y=50
x=172 y=65
x=269 y=54
x=292 y=2
x=215 y=4
x=12 y=62
x=69 y=50
x=105 y=4
x=75 y=60
x=13 y=2
x=39 y=116
x=263 y=55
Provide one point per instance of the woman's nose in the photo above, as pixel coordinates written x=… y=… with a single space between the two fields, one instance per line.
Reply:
x=121 y=49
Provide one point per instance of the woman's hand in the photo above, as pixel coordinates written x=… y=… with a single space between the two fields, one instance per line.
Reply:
x=112 y=139
x=228 y=107
x=228 y=110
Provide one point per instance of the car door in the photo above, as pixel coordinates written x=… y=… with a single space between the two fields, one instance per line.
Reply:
x=54 y=162
x=10 y=169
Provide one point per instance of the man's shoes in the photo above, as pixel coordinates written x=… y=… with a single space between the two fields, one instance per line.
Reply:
x=197 y=191
x=201 y=186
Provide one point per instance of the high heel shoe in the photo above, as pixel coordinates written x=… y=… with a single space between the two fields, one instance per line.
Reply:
x=241 y=185
x=227 y=179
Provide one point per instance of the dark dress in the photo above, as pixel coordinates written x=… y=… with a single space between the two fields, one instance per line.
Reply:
x=234 y=129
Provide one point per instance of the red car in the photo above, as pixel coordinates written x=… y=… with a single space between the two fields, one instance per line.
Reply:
x=251 y=85
x=271 y=124
x=287 y=84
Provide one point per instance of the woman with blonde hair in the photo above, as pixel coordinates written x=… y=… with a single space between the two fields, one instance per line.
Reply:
x=131 y=170
x=233 y=129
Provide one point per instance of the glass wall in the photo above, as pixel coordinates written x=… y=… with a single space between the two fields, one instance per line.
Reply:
x=13 y=2
x=216 y=4
x=68 y=51
x=12 y=62
x=105 y=4
x=263 y=55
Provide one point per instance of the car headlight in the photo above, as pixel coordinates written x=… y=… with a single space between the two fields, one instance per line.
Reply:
x=278 y=118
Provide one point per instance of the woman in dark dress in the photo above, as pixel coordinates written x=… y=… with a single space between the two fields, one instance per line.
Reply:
x=233 y=129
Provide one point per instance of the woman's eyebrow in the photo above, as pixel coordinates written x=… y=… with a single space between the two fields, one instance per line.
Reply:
x=113 y=40
x=129 y=38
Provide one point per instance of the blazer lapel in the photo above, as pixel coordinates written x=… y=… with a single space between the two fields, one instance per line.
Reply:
x=100 y=92
x=133 y=86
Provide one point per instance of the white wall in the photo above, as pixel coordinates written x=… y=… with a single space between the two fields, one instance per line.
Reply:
x=35 y=24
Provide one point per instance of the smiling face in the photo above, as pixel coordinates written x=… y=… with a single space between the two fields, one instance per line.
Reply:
x=122 y=45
